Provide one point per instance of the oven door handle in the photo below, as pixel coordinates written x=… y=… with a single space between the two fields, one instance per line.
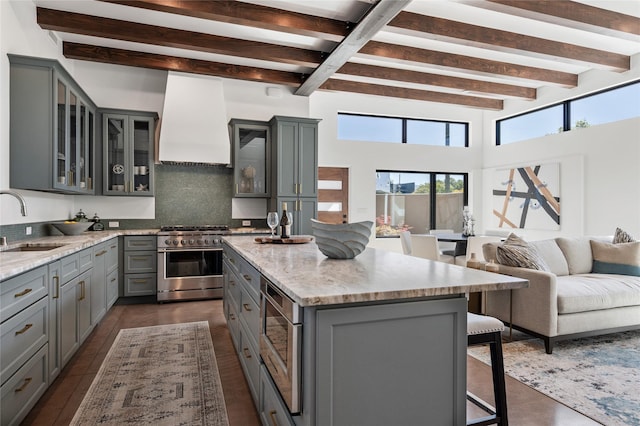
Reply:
x=183 y=249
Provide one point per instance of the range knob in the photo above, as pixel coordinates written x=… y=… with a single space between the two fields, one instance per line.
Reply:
x=191 y=242
x=183 y=242
x=199 y=242
x=206 y=242
x=167 y=242
x=175 y=242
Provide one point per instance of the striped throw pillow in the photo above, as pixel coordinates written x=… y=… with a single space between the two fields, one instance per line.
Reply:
x=517 y=252
x=622 y=237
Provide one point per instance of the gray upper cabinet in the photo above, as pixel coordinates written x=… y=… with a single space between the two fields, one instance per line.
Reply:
x=251 y=158
x=128 y=152
x=295 y=165
x=52 y=129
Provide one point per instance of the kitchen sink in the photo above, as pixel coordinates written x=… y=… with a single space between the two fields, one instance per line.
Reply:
x=30 y=247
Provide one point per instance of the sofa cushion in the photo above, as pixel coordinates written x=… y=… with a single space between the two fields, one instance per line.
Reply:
x=517 y=252
x=621 y=236
x=622 y=258
x=552 y=256
x=591 y=292
x=577 y=252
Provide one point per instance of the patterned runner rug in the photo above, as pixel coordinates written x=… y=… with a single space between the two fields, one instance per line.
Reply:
x=597 y=376
x=161 y=375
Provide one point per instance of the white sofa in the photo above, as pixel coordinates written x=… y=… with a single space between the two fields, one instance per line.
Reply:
x=568 y=301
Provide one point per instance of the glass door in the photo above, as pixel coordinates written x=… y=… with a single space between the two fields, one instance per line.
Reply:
x=60 y=159
x=115 y=175
x=141 y=167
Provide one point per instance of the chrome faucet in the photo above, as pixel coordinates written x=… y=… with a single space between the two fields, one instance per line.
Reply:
x=23 y=204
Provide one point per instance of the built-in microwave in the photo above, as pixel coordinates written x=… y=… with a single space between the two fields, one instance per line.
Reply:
x=281 y=342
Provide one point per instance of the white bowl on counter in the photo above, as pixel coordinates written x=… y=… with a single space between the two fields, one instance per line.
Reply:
x=341 y=240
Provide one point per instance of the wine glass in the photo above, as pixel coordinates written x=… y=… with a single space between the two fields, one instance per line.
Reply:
x=272 y=221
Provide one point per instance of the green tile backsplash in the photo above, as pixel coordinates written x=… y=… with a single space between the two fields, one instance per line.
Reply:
x=184 y=195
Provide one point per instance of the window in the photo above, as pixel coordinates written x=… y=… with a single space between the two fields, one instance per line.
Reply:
x=419 y=201
x=607 y=106
x=402 y=130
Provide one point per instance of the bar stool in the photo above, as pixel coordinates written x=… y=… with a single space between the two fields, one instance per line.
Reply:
x=482 y=330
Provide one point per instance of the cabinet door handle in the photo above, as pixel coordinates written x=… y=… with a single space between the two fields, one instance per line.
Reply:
x=232 y=317
x=24 y=329
x=100 y=253
x=246 y=277
x=23 y=292
x=138 y=258
x=232 y=282
x=113 y=279
x=274 y=420
x=57 y=281
x=246 y=307
x=25 y=384
x=232 y=260
x=113 y=247
x=247 y=354
x=139 y=281
x=81 y=290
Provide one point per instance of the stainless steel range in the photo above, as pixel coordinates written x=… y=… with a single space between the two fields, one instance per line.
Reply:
x=190 y=262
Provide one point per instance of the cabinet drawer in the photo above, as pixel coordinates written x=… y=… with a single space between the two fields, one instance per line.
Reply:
x=232 y=258
x=85 y=259
x=146 y=242
x=69 y=268
x=21 y=392
x=21 y=336
x=250 y=278
x=112 y=255
x=140 y=262
x=250 y=314
x=112 y=288
x=139 y=284
x=233 y=322
x=233 y=285
x=250 y=362
x=273 y=411
x=19 y=292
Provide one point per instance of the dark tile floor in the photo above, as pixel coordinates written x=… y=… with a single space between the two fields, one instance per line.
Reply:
x=58 y=405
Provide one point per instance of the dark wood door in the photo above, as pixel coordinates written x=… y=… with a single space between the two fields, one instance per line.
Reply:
x=333 y=194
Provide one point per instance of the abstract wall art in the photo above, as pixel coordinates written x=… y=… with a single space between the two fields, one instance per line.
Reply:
x=527 y=197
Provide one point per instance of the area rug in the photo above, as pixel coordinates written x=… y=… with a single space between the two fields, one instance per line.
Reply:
x=598 y=376
x=160 y=375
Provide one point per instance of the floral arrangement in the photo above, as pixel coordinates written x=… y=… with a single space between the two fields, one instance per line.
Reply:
x=384 y=227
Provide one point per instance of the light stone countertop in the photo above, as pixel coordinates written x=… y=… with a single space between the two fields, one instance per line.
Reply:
x=311 y=279
x=14 y=263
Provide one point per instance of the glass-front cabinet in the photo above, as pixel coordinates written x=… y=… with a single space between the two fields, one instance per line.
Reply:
x=251 y=162
x=74 y=140
x=52 y=129
x=128 y=141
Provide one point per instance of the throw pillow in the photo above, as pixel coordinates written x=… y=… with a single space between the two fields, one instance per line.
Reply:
x=621 y=258
x=517 y=252
x=622 y=237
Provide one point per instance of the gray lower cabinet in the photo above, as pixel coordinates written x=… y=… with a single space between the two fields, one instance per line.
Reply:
x=75 y=304
x=24 y=332
x=140 y=265
x=112 y=270
x=99 y=282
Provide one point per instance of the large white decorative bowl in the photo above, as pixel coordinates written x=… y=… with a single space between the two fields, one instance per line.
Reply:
x=72 y=228
x=341 y=240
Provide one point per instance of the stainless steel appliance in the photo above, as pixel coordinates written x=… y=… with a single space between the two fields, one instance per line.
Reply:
x=190 y=262
x=281 y=342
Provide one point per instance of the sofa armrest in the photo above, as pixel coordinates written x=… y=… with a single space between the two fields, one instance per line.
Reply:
x=535 y=308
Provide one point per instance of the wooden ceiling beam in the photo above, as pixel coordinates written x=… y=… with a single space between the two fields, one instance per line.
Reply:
x=469 y=63
x=77 y=23
x=414 y=94
x=249 y=14
x=132 y=58
x=499 y=40
x=376 y=18
x=467 y=84
x=569 y=13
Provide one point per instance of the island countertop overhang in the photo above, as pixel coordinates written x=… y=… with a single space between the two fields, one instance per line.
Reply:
x=308 y=277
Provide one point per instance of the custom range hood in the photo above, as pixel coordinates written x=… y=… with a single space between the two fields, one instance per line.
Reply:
x=194 y=128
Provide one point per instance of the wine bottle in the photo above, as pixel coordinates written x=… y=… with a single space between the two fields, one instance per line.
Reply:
x=285 y=224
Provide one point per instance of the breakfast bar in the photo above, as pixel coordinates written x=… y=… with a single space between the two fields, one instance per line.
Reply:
x=383 y=335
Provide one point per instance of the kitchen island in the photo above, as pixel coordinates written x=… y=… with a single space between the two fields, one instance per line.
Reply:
x=383 y=335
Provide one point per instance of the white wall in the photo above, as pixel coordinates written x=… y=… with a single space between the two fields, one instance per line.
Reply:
x=599 y=172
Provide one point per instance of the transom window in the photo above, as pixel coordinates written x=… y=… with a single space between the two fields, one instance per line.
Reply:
x=611 y=105
x=419 y=201
x=372 y=128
